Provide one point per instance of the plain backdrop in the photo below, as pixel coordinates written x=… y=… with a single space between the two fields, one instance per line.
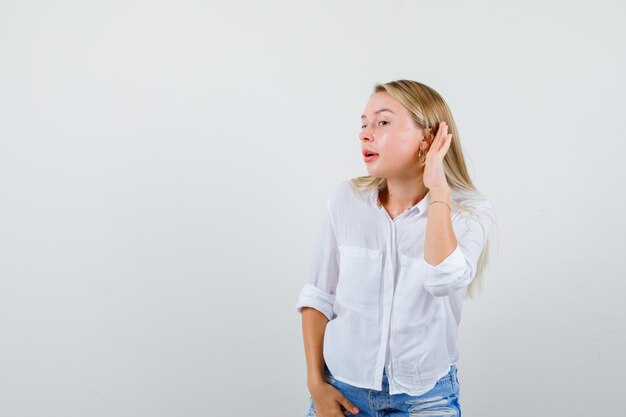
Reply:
x=164 y=166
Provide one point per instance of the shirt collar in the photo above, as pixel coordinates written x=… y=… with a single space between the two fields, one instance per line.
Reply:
x=421 y=206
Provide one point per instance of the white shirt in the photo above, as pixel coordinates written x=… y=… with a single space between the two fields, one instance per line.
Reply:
x=387 y=307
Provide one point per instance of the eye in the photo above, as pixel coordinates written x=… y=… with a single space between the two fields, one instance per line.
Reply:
x=382 y=121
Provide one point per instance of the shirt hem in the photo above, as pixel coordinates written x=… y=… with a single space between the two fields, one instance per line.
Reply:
x=353 y=383
x=421 y=391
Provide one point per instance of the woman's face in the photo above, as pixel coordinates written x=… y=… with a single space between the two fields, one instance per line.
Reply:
x=389 y=131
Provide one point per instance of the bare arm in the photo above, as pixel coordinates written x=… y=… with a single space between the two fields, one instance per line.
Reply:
x=451 y=252
x=313 y=327
x=440 y=239
x=327 y=399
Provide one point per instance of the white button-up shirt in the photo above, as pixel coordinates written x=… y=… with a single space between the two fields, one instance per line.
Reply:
x=387 y=307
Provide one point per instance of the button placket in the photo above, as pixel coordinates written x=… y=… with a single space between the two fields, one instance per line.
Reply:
x=390 y=266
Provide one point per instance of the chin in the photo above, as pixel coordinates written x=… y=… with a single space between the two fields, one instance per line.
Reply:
x=376 y=172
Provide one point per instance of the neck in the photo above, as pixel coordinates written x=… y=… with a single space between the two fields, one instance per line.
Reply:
x=400 y=195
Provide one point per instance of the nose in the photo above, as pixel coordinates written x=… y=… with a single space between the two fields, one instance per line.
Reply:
x=365 y=134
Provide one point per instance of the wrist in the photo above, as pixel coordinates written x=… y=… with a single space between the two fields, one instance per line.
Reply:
x=440 y=194
x=314 y=381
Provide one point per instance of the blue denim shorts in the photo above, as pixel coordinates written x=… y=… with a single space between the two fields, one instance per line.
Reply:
x=442 y=400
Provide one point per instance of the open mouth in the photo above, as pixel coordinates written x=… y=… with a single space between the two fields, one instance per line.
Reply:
x=369 y=156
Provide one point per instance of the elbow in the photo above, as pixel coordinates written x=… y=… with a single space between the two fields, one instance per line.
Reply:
x=313 y=297
x=450 y=275
x=439 y=286
x=324 y=309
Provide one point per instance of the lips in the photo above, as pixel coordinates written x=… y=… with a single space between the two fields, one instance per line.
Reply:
x=367 y=152
x=369 y=156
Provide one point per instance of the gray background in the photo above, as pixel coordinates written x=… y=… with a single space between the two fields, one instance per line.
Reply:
x=164 y=166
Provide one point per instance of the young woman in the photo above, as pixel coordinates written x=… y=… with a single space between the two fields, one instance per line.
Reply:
x=398 y=251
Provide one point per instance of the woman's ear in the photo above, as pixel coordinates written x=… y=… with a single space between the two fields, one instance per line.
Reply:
x=427 y=139
x=428 y=135
x=431 y=134
x=424 y=145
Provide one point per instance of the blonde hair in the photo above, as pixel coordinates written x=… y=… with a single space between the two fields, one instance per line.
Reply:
x=428 y=109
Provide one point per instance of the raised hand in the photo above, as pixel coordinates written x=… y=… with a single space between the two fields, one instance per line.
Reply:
x=434 y=175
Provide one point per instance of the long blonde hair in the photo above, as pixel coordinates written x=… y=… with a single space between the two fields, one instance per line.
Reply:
x=428 y=109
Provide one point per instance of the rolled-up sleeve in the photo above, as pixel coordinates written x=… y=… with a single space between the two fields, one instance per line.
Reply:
x=319 y=290
x=458 y=269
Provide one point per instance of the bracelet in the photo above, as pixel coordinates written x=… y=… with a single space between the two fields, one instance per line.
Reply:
x=437 y=201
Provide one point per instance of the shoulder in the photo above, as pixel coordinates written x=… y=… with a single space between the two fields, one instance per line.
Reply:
x=340 y=190
x=472 y=199
x=473 y=204
x=345 y=193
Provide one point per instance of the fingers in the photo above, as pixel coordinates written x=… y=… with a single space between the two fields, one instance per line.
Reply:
x=447 y=143
x=442 y=139
x=333 y=403
x=349 y=405
x=443 y=129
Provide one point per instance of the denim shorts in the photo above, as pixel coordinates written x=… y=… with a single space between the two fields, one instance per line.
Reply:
x=442 y=400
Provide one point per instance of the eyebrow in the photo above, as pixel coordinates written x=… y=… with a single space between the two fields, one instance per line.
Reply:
x=376 y=112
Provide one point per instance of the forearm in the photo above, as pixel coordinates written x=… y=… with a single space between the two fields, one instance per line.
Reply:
x=313 y=328
x=440 y=240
